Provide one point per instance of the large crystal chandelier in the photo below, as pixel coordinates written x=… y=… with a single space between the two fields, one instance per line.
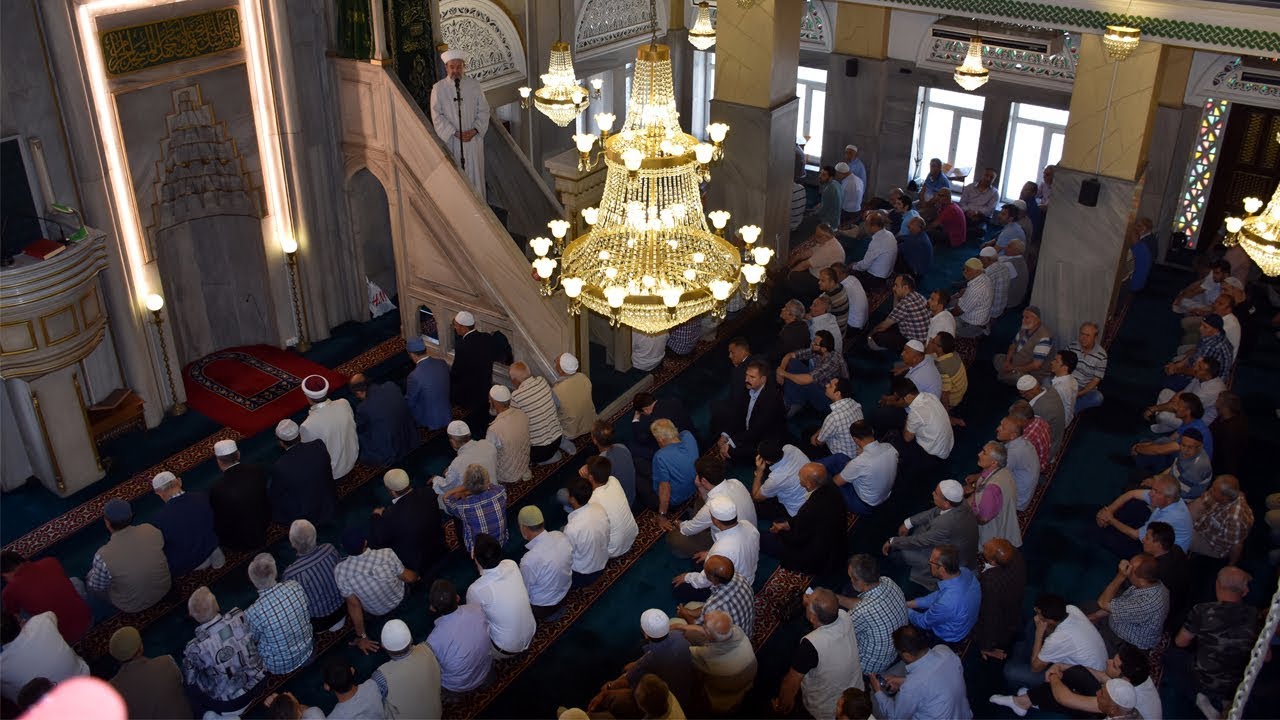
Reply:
x=560 y=97
x=649 y=260
x=1259 y=234
x=703 y=33
x=970 y=74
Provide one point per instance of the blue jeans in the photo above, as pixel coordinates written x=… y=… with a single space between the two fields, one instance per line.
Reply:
x=1017 y=670
x=834 y=463
x=814 y=394
x=853 y=502
x=1088 y=401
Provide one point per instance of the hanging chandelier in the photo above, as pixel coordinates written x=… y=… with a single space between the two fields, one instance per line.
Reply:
x=1259 y=234
x=971 y=74
x=703 y=34
x=560 y=97
x=1120 y=41
x=648 y=259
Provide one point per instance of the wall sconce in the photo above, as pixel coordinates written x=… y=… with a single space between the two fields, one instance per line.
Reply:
x=596 y=85
x=155 y=303
x=525 y=93
x=290 y=247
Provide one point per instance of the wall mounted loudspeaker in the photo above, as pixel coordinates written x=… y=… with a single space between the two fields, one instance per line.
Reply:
x=851 y=67
x=1089 y=190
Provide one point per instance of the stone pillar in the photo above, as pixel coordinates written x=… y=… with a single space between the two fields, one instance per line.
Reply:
x=861 y=40
x=757 y=50
x=378 y=17
x=1083 y=251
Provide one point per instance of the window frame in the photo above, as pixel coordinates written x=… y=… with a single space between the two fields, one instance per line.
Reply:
x=926 y=100
x=1048 y=128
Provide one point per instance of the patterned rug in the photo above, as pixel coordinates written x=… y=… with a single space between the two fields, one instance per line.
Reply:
x=251 y=388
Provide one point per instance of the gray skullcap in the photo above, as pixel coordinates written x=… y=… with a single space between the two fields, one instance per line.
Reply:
x=457 y=428
x=287 y=430
x=223 y=448
x=396 y=636
x=1122 y=693
x=655 y=623
x=916 y=345
x=569 y=363
x=842 y=167
x=465 y=319
x=989 y=252
x=500 y=393
x=161 y=479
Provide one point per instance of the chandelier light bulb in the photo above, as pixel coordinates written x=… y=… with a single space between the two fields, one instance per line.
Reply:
x=559 y=228
x=544 y=267
x=1252 y=205
x=572 y=286
x=753 y=273
x=678 y=211
x=590 y=215
x=154 y=302
x=597 y=83
x=719 y=218
x=615 y=294
x=762 y=255
x=1234 y=224
x=541 y=246
x=717 y=131
x=671 y=296
x=604 y=255
x=525 y=92
x=690 y=274
x=703 y=152
x=703 y=34
x=648 y=281
x=604 y=121
x=584 y=141
x=749 y=233
x=699 y=257
x=611 y=272
x=631 y=159
x=720 y=289
x=971 y=74
x=290 y=246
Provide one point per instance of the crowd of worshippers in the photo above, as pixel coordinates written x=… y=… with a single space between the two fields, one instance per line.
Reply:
x=875 y=648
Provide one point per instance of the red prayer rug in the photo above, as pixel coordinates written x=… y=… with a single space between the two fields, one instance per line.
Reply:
x=251 y=388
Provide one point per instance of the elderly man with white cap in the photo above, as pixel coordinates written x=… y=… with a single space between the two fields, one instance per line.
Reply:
x=509 y=433
x=186 y=521
x=852 y=188
x=460 y=116
x=949 y=522
x=410 y=525
x=973 y=304
x=411 y=676
x=1047 y=404
x=331 y=422
x=855 y=163
x=547 y=565
x=471 y=374
x=665 y=654
x=737 y=541
x=470 y=452
x=241 y=505
x=302 y=485
x=573 y=394
x=1029 y=352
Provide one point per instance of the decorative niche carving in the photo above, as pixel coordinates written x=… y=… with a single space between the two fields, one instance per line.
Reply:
x=483 y=30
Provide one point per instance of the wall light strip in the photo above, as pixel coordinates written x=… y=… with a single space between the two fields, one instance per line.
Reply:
x=263 y=98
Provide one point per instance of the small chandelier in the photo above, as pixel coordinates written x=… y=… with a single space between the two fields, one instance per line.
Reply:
x=560 y=97
x=971 y=74
x=1120 y=41
x=1258 y=234
x=703 y=34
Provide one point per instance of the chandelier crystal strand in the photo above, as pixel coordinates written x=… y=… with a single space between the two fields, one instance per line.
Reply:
x=1120 y=41
x=971 y=74
x=703 y=34
x=1259 y=235
x=560 y=97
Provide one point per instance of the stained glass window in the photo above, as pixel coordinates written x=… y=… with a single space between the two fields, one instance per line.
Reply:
x=1201 y=166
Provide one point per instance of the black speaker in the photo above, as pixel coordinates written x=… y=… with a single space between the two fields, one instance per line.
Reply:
x=851 y=67
x=1089 y=190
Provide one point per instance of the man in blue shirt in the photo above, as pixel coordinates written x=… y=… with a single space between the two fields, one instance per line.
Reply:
x=673 y=471
x=933 y=686
x=1124 y=522
x=951 y=611
x=1155 y=455
x=934 y=181
x=855 y=163
x=427 y=387
x=915 y=250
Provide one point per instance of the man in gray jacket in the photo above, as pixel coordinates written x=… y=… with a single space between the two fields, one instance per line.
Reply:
x=949 y=522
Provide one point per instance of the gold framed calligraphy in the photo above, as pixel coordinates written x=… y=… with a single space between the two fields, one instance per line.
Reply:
x=130 y=49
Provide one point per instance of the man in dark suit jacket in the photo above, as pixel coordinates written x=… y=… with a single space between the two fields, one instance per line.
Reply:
x=748 y=423
x=384 y=423
x=814 y=541
x=302 y=485
x=647 y=410
x=410 y=525
x=241 y=508
x=739 y=357
x=471 y=374
x=794 y=334
x=949 y=522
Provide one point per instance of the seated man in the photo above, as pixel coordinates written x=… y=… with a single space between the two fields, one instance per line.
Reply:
x=927 y=438
x=576 y=409
x=738 y=542
x=480 y=506
x=915 y=248
x=1090 y=368
x=355 y=700
x=459 y=639
x=1010 y=228
x=781 y=490
x=730 y=593
x=619 y=457
x=410 y=525
x=1230 y=431
x=973 y=304
x=876 y=610
x=1062 y=379
x=186 y=521
x=607 y=492
x=150 y=687
x=951 y=369
x=587 y=529
x=1079 y=689
x=130 y=571
x=811 y=542
x=1224 y=632
x=470 y=452
x=1223 y=520
x=1015 y=259
x=837 y=301
x=1135 y=616
x=825 y=663
x=32 y=587
x=1207 y=384
x=278 y=619
x=857 y=295
x=1125 y=520
x=804 y=374
x=993 y=496
x=533 y=397
x=33 y=648
x=221 y=666
x=948 y=226
x=1003 y=579
x=1152 y=456
x=1213 y=343
x=500 y=593
x=876 y=265
x=1191 y=469
x=332 y=422
x=1000 y=280
x=794 y=333
x=673 y=470
x=664 y=654
x=302 y=485
x=509 y=433
x=978 y=201
x=647 y=410
x=1063 y=635
x=949 y=522
x=933 y=685
x=867 y=480
x=1047 y=405
x=313 y=570
x=834 y=433
x=805 y=263
x=940 y=318
x=758 y=413
x=695 y=535
x=385 y=426
x=1201 y=293
x=547 y=565
x=908 y=320
x=412 y=674
x=724 y=660
x=920 y=368
x=1021 y=458
x=371 y=581
x=821 y=317
x=951 y=611
x=1028 y=353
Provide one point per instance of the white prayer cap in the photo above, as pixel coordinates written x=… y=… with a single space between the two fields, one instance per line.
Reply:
x=851 y=147
x=655 y=623
x=315 y=387
x=842 y=167
x=569 y=363
x=1122 y=693
x=1026 y=382
x=722 y=508
x=989 y=252
x=465 y=319
x=396 y=480
x=287 y=430
x=449 y=56
x=500 y=393
x=1234 y=282
x=223 y=448
x=574 y=714
x=396 y=636
x=1020 y=204
x=161 y=479
x=916 y=345
x=457 y=428
x=951 y=490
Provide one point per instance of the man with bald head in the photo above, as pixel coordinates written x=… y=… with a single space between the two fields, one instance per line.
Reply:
x=385 y=426
x=724 y=659
x=532 y=396
x=730 y=593
x=813 y=542
x=825 y=663
x=1003 y=580
x=1135 y=616
x=1224 y=632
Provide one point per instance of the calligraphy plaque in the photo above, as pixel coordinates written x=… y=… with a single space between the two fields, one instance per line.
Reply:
x=130 y=49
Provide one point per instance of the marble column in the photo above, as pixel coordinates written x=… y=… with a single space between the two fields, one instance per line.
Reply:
x=757 y=50
x=378 y=17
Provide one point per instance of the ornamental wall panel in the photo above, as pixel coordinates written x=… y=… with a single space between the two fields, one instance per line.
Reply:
x=484 y=31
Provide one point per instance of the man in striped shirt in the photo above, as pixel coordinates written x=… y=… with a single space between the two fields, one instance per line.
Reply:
x=974 y=305
x=533 y=396
x=313 y=570
x=1091 y=366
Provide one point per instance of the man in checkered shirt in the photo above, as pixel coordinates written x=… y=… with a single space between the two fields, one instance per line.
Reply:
x=877 y=611
x=732 y=596
x=479 y=506
x=909 y=319
x=372 y=581
x=279 y=618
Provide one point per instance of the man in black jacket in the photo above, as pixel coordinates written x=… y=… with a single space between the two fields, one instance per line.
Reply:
x=814 y=541
x=648 y=409
x=471 y=374
x=241 y=508
x=410 y=525
x=758 y=414
x=384 y=424
x=302 y=486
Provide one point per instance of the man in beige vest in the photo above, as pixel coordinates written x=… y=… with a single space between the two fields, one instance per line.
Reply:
x=151 y=687
x=573 y=395
x=130 y=570
x=412 y=675
x=509 y=433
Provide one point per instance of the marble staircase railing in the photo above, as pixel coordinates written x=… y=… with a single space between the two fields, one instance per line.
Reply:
x=516 y=186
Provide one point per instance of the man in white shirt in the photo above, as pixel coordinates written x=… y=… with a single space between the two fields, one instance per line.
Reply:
x=927 y=438
x=588 y=531
x=607 y=492
x=35 y=649
x=331 y=422
x=1206 y=384
x=940 y=319
x=739 y=542
x=1061 y=375
x=500 y=592
x=820 y=318
x=853 y=187
x=547 y=565
x=697 y=534
x=1201 y=293
x=783 y=463
x=876 y=265
x=647 y=351
x=1063 y=635
x=867 y=480
x=470 y=452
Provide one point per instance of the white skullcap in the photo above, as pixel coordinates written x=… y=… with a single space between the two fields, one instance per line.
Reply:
x=916 y=345
x=1026 y=382
x=223 y=448
x=1020 y=204
x=396 y=480
x=315 y=387
x=396 y=636
x=500 y=393
x=287 y=430
x=162 y=479
x=1234 y=282
x=989 y=252
x=722 y=508
x=842 y=167
x=655 y=623
x=574 y=714
x=851 y=147
x=1122 y=693
x=465 y=319
x=569 y=363
x=450 y=55
x=457 y=428
x=952 y=490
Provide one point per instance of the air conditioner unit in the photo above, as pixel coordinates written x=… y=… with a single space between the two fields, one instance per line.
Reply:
x=1260 y=70
x=999 y=35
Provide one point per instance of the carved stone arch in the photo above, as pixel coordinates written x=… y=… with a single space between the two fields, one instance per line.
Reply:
x=605 y=25
x=1225 y=79
x=483 y=30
